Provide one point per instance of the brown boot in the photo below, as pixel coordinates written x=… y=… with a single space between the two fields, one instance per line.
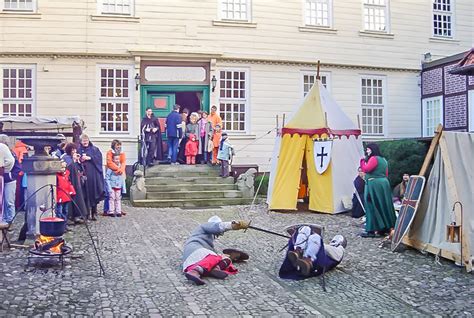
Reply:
x=195 y=277
x=305 y=265
x=217 y=273
x=294 y=255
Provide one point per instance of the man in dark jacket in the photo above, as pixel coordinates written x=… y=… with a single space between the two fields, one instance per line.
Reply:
x=173 y=132
x=151 y=134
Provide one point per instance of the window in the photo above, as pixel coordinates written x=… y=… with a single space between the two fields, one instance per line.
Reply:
x=18 y=90
x=432 y=115
x=120 y=7
x=318 y=12
x=235 y=10
x=373 y=102
x=18 y=5
x=376 y=15
x=442 y=18
x=310 y=77
x=114 y=98
x=233 y=99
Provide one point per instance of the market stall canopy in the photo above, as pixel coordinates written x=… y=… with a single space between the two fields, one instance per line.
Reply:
x=20 y=126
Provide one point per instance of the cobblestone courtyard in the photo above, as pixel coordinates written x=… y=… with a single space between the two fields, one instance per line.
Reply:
x=141 y=254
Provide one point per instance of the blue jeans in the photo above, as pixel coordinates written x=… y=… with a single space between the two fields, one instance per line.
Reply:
x=173 y=148
x=9 y=191
x=61 y=210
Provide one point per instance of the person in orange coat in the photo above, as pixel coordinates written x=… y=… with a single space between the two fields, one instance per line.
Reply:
x=192 y=149
x=20 y=149
x=214 y=117
x=216 y=140
x=116 y=149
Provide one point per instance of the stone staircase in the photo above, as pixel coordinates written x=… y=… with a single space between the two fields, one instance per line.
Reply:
x=189 y=186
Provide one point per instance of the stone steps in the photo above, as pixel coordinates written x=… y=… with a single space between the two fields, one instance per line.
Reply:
x=189 y=180
x=184 y=203
x=193 y=194
x=189 y=187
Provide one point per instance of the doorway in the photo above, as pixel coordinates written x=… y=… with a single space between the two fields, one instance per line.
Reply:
x=161 y=99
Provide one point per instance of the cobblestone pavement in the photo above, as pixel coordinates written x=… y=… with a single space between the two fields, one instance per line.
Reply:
x=141 y=254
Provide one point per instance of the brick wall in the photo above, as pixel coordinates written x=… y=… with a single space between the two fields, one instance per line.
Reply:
x=455 y=111
x=453 y=83
x=432 y=81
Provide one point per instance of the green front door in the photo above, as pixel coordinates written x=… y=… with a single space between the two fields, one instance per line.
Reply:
x=161 y=104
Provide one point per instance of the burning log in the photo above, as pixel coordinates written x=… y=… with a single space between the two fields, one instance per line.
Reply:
x=49 y=244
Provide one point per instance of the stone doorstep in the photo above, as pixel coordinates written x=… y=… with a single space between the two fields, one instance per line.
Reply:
x=182 y=174
x=192 y=180
x=191 y=203
x=204 y=194
x=189 y=187
x=179 y=168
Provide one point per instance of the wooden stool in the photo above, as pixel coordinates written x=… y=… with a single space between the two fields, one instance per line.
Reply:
x=4 y=228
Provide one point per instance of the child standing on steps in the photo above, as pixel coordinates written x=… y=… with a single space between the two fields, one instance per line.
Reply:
x=191 y=150
x=226 y=151
x=216 y=139
x=115 y=184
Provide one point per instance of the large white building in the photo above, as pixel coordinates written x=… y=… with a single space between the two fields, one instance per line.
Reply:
x=106 y=60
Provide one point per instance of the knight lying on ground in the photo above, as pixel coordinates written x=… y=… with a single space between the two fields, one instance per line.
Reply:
x=308 y=256
x=199 y=257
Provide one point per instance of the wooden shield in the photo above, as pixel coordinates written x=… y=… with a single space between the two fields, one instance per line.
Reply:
x=407 y=213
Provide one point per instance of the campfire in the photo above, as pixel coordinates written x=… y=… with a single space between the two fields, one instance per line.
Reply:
x=49 y=244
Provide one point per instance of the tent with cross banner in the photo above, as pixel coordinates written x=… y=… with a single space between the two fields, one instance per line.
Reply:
x=316 y=155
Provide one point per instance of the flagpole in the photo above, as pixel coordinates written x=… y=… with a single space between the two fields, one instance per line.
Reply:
x=317 y=71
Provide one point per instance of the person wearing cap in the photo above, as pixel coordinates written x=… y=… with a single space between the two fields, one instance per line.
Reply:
x=199 y=255
x=224 y=155
x=308 y=256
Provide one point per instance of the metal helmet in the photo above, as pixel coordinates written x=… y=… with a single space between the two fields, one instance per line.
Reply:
x=338 y=240
x=214 y=219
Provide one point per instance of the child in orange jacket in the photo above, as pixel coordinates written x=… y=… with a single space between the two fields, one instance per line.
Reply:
x=216 y=140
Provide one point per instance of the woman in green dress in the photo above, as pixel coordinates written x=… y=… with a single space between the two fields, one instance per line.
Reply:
x=380 y=214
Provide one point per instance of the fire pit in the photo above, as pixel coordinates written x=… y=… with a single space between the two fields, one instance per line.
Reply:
x=49 y=247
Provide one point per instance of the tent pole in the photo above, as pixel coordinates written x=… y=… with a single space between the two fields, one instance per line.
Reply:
x=326 y=118
x=277 y=122
x=431 y=150
x=283 y=123
x=358 y=120
x=317 y=70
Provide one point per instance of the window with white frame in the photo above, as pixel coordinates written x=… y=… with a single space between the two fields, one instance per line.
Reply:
x=432 y=115
x=373 y=103
x=115 y=98
x=376 y=15
x=318 y=12
x=442 y=18
x=309 y=78
x=119 y=7
x=18 y=90
x=233 y=99
x=18 y=5
x=235 y=10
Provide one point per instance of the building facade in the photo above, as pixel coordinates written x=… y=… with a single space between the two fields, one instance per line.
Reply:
x=446 y=98
x=107 y=60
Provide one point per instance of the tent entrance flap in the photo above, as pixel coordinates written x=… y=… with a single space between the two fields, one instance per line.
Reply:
x=288 y=174
x=320 y=185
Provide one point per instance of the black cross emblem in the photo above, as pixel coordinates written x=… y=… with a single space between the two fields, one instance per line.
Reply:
x=322 y=155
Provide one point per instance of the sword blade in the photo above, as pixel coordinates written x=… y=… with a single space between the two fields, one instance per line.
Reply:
x=267 y=231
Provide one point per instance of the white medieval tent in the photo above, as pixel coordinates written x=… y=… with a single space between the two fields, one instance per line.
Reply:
x=318 y=150
x=451 y=180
